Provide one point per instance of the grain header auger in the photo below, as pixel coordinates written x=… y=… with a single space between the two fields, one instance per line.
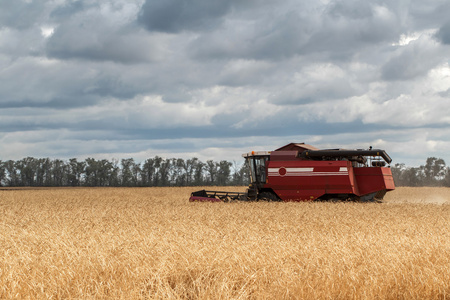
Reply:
x=301 y=172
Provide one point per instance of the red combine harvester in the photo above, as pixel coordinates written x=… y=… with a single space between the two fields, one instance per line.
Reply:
x=301 y=172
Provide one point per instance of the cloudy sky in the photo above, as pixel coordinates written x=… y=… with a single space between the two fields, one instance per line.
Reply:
x=217 y=78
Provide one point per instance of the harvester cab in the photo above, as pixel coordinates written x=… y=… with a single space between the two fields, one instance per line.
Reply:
x=301 y=172
x=257 y=162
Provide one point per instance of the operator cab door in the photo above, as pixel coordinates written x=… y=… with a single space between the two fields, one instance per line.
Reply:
x=258 y=170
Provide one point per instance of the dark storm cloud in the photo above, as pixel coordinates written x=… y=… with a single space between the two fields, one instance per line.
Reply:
x=350 y=9
x=62 y=102
x=263 y=39
x=348 y=26
x=112 y=86
x=93 y=40
x=33 y=83
x=445 y=94
x=338 y=30
x=20 y=14
x=177 y=15
x=444 y=33
x=310 y=92
x=411 y=62
x=427 y=14
x=279 y=128
x=65 y=11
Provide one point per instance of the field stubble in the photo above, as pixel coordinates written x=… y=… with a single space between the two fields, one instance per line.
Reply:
x=152 y=243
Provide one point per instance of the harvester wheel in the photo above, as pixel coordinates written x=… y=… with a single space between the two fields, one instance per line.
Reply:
x=268 y=196
x=373 y=197
x=379 y=196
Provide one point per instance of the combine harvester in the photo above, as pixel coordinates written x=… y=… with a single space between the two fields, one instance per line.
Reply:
x=301 y=172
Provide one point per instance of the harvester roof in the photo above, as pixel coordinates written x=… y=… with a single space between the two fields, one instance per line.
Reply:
x=300 y=147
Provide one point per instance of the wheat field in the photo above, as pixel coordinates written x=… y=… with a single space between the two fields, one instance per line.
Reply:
x=151 y=243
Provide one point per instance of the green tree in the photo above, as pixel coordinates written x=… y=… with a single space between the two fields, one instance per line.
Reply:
x=91 y=172
x=164 y=171
x=59 y=173
x=446 y=181
x=2 y=173
x=244 y=174
x=189 y=168
x=114 y=174
x=434 y=170
x=223 y=172
x=198 y=173
x=127 y=172
x=76 y=170
x=11 y=171
x=211 y=168
x=177 y=173
x=148 y=172
x=104 y=172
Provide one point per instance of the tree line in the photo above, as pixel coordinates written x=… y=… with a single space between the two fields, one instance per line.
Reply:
x=155 y=171
x=433 y=173
x=159 y=171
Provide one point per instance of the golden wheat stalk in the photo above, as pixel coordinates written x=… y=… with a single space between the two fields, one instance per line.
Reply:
x=151 y=243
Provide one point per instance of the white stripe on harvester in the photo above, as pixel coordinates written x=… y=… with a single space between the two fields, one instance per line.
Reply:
x=306 y=172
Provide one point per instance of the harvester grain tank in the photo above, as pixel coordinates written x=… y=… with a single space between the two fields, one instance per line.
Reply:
x=301 y=172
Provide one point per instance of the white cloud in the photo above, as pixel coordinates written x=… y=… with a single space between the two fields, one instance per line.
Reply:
x=420 y=104
x=47 y=31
